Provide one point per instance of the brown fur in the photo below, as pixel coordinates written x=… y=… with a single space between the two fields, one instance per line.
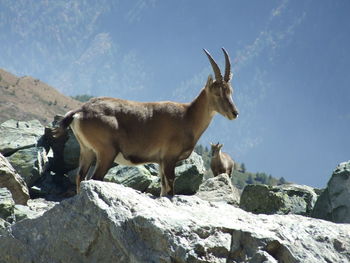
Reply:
x=154 y=132
x=220 y=162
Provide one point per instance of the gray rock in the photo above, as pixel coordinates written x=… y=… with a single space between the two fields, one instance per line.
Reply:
x=219 y=189
x=333 y=204
x=283 y=199
x=136 y=177
x=189 y=175
x=29 y=163
x=7 y=205
x=10 y=179
x=111 y=223
x=17 y=135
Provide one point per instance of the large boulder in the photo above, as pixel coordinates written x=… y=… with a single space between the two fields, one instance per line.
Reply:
x=16 y=135
x=30 y=163
x=10 y=179
x=282 y=199
x=219 y=189
x=111 y=223
x=334 y=203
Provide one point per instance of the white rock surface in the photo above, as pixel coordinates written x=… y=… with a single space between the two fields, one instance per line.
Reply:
x=108 y=222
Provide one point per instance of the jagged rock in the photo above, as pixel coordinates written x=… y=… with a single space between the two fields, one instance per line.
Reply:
x=13 y=182
x=136 y=177
x=29 y=163
x=189 y=175
x=16 y=135
x=219 y=189
x=333 y=204
x=111 y=223
x=7 y=205
x=282 y=199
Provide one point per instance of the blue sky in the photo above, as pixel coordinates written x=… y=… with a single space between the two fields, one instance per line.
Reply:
x=290 y=63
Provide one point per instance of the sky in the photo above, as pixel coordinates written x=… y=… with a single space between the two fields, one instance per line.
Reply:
x=290 y=63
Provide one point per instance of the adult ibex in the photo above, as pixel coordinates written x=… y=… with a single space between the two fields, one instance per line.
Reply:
x=220 y=162
x=131 y=133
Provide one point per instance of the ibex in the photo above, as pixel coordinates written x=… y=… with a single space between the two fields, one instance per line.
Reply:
x=131 y=133
x=220 y=162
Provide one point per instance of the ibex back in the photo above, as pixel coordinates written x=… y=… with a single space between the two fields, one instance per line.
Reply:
x=128 y=132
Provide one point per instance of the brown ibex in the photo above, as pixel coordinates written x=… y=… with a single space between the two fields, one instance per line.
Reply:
x=131 y=133
x=220 y=162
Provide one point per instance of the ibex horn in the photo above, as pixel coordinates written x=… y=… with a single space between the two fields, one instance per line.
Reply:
x=228 y=74
x=215 y=66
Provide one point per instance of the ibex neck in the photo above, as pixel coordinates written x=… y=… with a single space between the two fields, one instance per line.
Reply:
x=200 y=114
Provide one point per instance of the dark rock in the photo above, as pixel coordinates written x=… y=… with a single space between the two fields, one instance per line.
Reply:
x=30 y=163
x=333 y=204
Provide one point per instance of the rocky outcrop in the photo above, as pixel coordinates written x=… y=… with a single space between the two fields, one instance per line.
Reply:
x=282 y=199
x=16 y=135
x=111 y=223
x=334 y=203
x=13 y=182
x=219 y=189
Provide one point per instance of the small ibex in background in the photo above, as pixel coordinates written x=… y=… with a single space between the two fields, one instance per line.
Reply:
x=220 y=162
x=131 y=133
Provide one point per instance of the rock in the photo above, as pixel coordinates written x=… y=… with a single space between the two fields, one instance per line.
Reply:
x=136 y=177
x=189 y=175
x=283 y=199
x=111 y=223
x=29 y=163
x=13 y=182
x=16 y=135
x=7 y=205
x=71 y=152
x=333 y=204
x=219 y=189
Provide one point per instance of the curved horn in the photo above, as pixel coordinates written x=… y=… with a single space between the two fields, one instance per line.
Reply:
x=228 y=74
x=215 y=66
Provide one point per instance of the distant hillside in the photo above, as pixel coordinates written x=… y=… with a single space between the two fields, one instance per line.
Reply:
x=26 y=98
x=240 y=176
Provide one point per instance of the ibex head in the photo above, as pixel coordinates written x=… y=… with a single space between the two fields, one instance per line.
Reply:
x=220 y=90
x=215 y=148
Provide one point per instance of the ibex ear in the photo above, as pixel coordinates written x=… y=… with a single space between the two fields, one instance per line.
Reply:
x=220 y=146
x=209 y=81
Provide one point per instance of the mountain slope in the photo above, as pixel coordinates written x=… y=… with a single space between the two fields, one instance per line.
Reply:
x=26 y=98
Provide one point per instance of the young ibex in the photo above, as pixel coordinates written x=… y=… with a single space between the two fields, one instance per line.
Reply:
x=220 y=162
x=131 y=133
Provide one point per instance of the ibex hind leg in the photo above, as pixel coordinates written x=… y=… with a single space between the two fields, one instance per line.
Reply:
x=167 y=179
x=87 y=157
x=104 y=161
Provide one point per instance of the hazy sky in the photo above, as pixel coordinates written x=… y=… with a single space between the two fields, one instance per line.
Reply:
x=290 y=59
